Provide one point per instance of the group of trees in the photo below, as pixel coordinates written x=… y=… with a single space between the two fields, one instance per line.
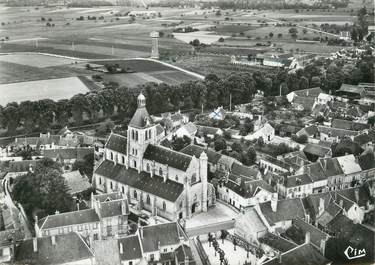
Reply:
x=360 y=27
x=214 y=91
x=43 y=191
x=243 y=151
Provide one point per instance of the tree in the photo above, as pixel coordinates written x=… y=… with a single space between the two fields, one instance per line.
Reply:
x=221 y=39
x=85 y=166
x=251 y=156
x=11 y=117
x=260 y=142
x=223 y=235
x=270 y=34
x=43 y=190
x=105 y=127
x=279 y=35
x=367 y=160
x=304 y=31
x=179 y=143
x=237 y=147
x=220 y=144
x=293 y=31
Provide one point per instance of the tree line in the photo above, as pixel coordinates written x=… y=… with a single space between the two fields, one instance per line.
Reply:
x=120 y=102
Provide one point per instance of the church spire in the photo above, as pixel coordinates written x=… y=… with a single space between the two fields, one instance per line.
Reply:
x=141 y=100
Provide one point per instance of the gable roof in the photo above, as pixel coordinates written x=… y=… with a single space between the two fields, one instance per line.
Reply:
x=117 y=143
x=69 y=248
x=241 y=170
x=161 y=234
x=287 y=209
x=316 y=149
x=297 y=180
x=316 y=235
x=113 y=208
x=277 y=242
x=309 y=92
x=349 y=125
x=76 y=182
x=168 y=190
x=131 y=248
x=167 y=156
x=195 y=150
x=68 y=153
x=304 y=254
x=69 y=218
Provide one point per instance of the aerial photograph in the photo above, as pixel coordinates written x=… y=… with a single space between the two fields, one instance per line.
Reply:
x=187 y=132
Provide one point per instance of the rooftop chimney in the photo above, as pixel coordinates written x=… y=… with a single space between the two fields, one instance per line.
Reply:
x=274 y=202
x=322 y=246
x=140 y=229
x=35 y=244
x=321 y=206
x=121 y=248
x=356 y=194
x=53 y=239
x=307 y=238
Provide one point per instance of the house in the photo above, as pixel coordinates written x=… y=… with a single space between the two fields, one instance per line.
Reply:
x=52 y=250
x=302 y=254
x=218 y=114
x=212 y=156
x=267 y=132
x=105 y=218
x=331 y=134
x=189 y=130
x=278 y=214
x=242 y=192
x=269 y=163
x=8 y=239
x=209 y=131
x=349 y=125
x=315 y=151
x=67 y=156
x=296 y=186
x=76 y=182
x=271 y=242
x=154 y=178
x=350 y=240
x=350 y=91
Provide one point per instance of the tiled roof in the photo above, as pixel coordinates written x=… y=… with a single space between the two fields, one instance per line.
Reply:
x=287 y=209
x=306 y=102
x=335 y=132
x=304 y=254
x=68 y=153
x=113 y=208
x=76 y=182
x=195 y=150
x=167 y=156
x=69 y=248
x=131 y=248
x=248 y=189
x=163 y=234
x=316 y=149
x=241 y=170
x=351 y=89
x=277 y=242
x=297 y=180
x=117 y=143
x=331 y=167
x=69 y=218
x=169 y=190
x=107 y=197
x=183 y=252
x=316 y=235
x=349 y=125
x=27 y=141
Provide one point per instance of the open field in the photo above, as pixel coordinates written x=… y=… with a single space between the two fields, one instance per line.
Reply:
x=55 y=89
x=145 y=71
x=36 y=60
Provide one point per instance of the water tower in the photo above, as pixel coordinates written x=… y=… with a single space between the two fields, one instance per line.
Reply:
x=155 y=49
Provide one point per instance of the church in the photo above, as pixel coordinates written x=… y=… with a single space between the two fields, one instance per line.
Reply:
x=154 y=178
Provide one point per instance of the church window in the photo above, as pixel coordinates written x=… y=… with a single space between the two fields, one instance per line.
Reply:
x=111 y=184
x=135 y=194
x=160 y=172
x=123 y=159
x=149 y=134
x=146 y=136
x=123 y=189
x=100 y=181
x=136 y=136
x=148 y=167
x=111 y=156
x=135 y=163
x=148 y=200
x=193 y=178
x=133 y=134
x=164 y=206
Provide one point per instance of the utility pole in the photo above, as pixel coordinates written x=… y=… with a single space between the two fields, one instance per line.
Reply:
x=230 y=102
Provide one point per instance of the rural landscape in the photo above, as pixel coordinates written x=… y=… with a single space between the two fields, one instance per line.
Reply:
x=193 y=132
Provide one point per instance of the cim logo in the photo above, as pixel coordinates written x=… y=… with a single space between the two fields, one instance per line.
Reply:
x=354 y=253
